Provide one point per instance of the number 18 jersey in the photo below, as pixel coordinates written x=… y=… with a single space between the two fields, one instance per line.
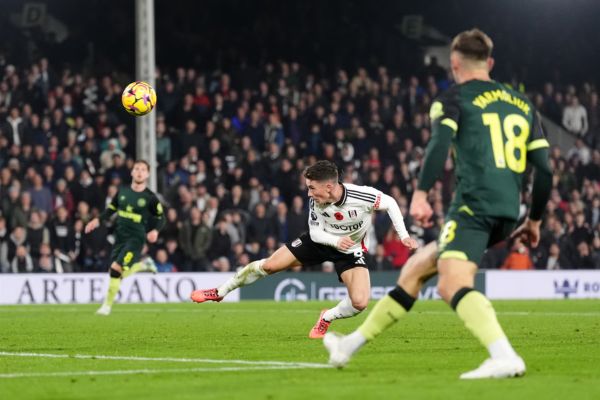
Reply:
x=494 y=128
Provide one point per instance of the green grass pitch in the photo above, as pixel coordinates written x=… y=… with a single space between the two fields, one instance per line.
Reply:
x=156 y=352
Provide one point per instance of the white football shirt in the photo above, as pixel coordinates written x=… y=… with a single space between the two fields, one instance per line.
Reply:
x=351 y=216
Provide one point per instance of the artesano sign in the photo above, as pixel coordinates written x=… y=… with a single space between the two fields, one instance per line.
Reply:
x=91 y=288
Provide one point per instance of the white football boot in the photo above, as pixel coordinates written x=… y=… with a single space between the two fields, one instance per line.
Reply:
x=339 y=350
x=497 y=368
x=104 y=310
x=149 y=265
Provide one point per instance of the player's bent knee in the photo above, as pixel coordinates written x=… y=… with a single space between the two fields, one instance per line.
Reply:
x=360 y=303
x=114 y=273
x=270 y=266
x=446 y=289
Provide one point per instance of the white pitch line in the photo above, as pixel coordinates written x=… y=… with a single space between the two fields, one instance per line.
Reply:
x=144 y=371
x=166 y=359
x=125 y=310
x=145 y=310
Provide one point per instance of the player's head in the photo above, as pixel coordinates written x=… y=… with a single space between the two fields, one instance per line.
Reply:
x=471 y=51
x=321 y=179
x=140 y=171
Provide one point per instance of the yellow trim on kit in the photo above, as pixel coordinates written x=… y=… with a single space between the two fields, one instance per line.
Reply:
x=112 y=207
x=465 y=208
x=537 y=144
x=460 y=255
x=129 y=215
x=450 y=123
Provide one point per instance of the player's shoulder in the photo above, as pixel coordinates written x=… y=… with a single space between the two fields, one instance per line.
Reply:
x=446 y=103
x=450 y=94
x=515 y=93
x=359 y=193
x=150 y=194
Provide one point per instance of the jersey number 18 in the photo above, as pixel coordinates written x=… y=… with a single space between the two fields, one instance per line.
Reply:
x=516 y=139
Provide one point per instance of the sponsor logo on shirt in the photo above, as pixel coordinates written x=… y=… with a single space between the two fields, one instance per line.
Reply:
x=377 y=201
x=297 y=243
x=346 y=228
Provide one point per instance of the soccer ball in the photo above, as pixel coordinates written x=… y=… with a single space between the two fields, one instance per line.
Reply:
x=139 y=98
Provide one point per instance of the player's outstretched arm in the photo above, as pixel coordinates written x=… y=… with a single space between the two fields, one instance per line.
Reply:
x=388 y=204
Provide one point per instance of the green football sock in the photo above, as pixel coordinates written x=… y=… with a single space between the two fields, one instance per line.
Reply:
x=113 y=289
x=385 y=313
x=137 y=267
x=478 y=314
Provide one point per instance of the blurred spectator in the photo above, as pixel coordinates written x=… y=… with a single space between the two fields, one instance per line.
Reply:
x=22 y=261
x=195 y=238
x=554 y=260
x=221 y=242
x=583 y=258
x=46 y=262
x=62 y=237
x=575 y=118
x=41 y=197
x=37 y=234
x=261 y=226
x=518 y=257
x=162 y=262
x=394 y=249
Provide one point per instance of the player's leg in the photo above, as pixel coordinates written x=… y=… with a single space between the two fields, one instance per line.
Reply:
x=457 y=268
x=114 y=283
x=358 y=283
x=282 y=259
x=124 y=255
x=145 y=264
x=418 y=269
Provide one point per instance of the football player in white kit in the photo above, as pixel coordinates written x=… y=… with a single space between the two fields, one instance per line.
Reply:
x=339 y=218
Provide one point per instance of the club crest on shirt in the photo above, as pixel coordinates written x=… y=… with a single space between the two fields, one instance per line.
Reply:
x=352 y=213
x=297 y=243
x=141 y=202
x=339 y=216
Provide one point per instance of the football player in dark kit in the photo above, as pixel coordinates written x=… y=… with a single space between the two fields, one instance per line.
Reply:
x=139 y=218
x=493 y=132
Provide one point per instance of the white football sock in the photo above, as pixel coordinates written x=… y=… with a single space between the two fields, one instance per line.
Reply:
x=343 y=309
x=354 y=341
x=250 y=273
x=501 y=348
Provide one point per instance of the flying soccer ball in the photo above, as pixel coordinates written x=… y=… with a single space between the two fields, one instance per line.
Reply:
x=139 y=98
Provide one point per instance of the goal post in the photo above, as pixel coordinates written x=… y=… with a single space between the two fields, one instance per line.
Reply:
x=145 y=64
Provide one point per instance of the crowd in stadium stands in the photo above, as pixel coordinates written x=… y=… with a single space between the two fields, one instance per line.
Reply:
x=231 y=149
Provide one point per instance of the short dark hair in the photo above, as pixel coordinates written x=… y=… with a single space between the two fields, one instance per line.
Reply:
x=322 y=171
x=140 y=161
x=473 y=44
